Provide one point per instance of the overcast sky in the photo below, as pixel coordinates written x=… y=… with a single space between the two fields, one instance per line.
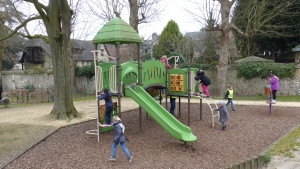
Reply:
x=174 y=10
x=87 y=25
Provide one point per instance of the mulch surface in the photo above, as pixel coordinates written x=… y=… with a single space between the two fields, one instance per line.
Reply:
x=250 y=131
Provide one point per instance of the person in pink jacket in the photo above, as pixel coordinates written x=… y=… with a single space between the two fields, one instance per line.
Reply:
x=164 y=59
x=275 y=85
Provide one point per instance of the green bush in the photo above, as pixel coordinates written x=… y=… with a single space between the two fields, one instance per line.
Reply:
x=88 y=71
x=7 y=64
x=30 y=87
x=37 y=69
x=253 y=70
x=267 y=158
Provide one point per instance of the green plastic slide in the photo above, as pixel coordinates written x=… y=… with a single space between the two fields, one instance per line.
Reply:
x=174 y=127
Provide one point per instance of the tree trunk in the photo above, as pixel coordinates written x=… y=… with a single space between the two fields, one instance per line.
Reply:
x=222 y=64
x=58 y=26
x=134 y=21
x=224 y=47
x=63 y=100
x=1 y=49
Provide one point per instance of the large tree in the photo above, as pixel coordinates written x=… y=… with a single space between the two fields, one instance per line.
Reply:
x=279 y=33
x=169 y=41
x=218 y=18
x=57 y=19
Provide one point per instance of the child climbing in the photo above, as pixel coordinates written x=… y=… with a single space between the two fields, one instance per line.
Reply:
x=204 y=82
x=108 y=104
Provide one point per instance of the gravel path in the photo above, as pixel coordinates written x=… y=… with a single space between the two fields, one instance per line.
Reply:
x=250 y=131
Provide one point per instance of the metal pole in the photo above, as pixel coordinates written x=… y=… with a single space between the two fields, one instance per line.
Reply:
x=140 y=84
x=166 y=83
x=119 y=79
x=200 y=109
x=189 y=93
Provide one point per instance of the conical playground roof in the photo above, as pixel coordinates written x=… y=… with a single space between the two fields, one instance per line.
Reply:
x=116 y=31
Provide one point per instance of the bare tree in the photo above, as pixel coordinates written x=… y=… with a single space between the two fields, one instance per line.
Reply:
x=57 y=18
x=140 y=11
x=106 y=9
x=8 y=16
x=218 y=18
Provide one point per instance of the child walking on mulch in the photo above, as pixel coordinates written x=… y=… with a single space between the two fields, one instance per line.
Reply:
x=224 y=115
x=229 y=97
x=119 y=138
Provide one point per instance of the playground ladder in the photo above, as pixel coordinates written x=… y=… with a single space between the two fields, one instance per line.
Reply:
x=212 y=104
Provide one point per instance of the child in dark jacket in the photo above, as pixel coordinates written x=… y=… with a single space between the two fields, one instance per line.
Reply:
x=224 y=115
x=108 y=104
x=119 y=137
x=173 y=105
x=204 y=82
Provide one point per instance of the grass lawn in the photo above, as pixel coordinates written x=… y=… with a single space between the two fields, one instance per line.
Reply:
x=261 y=98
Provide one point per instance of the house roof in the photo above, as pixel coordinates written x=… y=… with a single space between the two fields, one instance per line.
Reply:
x=116 y=31
x=38 y=43
x=86 y=47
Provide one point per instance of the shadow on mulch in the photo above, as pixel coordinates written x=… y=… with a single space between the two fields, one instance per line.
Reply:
x=250 y=131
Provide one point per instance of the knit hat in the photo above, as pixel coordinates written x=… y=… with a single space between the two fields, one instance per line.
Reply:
x=222 y=102
x=116 y=118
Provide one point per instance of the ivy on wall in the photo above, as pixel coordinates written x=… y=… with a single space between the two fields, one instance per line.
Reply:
x=87 y=71
x=256 y=69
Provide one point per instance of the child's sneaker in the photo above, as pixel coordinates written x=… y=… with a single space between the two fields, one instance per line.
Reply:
x=130 y=160
x=112 y=158
x=273 y=101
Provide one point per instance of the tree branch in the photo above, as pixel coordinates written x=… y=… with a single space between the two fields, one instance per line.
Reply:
x=15 y=31
x=234 y=27
x=39 y=7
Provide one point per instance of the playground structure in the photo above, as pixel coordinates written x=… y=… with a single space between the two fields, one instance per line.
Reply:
x=177 y=82
x=133 y=79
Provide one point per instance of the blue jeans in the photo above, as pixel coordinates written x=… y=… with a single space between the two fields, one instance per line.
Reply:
x=173 y=105
x=231 y=103
x=123 y=146
x=108 y=114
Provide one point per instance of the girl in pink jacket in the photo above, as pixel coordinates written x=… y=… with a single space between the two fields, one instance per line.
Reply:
x=275 y=85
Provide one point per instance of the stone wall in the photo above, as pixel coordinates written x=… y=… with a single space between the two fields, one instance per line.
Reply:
x=290 y=86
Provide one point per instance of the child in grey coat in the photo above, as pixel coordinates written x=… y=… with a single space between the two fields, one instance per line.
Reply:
x=224 y=115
